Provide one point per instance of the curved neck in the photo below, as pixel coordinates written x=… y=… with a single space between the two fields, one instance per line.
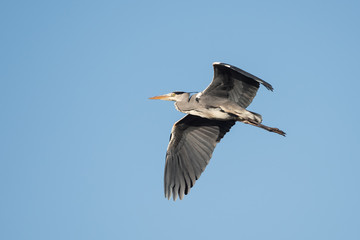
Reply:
x=183 y=103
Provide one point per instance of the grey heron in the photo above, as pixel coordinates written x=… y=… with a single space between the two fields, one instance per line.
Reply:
x=210 y=115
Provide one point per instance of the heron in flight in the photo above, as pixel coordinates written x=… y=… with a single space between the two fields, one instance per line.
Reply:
x=210 y=115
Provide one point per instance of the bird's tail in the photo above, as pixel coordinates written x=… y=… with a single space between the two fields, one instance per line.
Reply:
x=257 y=117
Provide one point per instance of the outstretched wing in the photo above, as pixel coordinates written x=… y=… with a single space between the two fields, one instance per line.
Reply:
x=192 y=142
x=235 y=84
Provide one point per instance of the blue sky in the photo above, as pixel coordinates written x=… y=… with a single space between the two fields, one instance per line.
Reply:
x=82 y=148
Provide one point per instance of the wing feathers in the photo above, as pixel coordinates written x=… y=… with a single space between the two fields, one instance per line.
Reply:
x=191 y=145
x=235 y=84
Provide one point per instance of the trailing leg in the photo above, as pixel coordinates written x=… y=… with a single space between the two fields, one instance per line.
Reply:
x=270 y=129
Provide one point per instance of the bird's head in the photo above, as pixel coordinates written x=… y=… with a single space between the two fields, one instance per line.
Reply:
x=174 y=96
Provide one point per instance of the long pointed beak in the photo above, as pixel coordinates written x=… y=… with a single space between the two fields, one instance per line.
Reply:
x=162 y=97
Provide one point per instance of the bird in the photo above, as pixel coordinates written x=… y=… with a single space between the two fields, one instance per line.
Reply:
x=210 y=114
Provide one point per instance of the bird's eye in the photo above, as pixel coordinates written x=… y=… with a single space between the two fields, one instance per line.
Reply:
x=173 y=94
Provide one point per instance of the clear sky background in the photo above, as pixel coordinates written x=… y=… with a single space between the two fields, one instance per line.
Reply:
x=82 y=149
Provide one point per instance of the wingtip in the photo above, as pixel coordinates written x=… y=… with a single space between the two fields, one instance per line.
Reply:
x=169 y=195
x=174 y=195
x=268 y=86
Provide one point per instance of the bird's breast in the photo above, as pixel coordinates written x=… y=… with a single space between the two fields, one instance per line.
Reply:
x=212 y=113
